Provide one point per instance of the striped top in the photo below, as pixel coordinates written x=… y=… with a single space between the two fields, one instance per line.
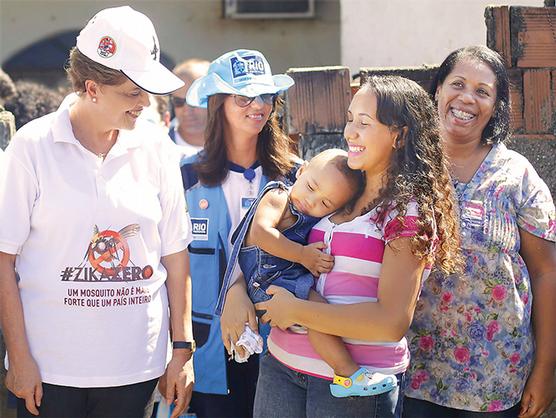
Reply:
x=358 y=250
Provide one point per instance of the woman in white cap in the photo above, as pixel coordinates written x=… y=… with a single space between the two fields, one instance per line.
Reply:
x=244 y=149
x=95 y=224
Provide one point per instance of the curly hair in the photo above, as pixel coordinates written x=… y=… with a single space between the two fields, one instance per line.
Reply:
x=498 y=127
x=418 y=171
x=7 y=86
x=273 y=146
x=31 y=101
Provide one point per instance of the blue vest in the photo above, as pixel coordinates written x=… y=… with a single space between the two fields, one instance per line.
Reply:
x=208 y=259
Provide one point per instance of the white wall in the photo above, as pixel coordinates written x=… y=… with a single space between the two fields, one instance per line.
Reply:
x=186 y=28
x=385 y=33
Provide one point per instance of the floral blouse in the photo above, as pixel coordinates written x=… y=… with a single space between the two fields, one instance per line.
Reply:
x=471 y=340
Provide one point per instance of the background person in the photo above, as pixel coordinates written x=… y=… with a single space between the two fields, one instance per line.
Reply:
x=244 y=149
x=472 y=340
x=383 y=250
x=187 y=128
x=97 y=229
x=31 y=101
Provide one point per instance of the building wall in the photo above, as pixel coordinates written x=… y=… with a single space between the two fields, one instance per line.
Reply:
x=186 y=28
x=384 y=33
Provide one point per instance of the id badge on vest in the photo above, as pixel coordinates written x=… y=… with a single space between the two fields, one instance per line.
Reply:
x=245 y=204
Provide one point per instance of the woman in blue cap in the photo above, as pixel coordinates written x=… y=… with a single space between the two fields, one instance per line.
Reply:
x=244 y=149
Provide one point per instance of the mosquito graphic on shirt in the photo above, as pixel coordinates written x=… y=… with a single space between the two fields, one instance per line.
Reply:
x=108 y=251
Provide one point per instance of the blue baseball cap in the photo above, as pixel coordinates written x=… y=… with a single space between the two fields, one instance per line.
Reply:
x=243 y=72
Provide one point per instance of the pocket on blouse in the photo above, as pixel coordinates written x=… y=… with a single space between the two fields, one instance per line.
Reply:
x=500 y=226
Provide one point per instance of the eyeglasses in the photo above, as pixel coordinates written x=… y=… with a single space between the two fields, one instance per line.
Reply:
x=244 y=101
x=178 y=101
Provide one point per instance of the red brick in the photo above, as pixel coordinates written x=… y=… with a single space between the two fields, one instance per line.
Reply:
x=497 y=20
x=533 y=36
x=537 y=101
x=516 y=100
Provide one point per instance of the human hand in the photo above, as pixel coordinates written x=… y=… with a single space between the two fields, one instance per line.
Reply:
x=23 y=379
x=538 y=393
x=278 y=309
x=314 y=260
x=176 y=384
x=238 y=311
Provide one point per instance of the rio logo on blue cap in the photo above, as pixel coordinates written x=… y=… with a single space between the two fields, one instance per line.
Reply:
x=243 y=67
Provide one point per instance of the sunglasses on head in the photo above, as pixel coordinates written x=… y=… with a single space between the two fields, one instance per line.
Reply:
x=178 y=101
x=244 y=101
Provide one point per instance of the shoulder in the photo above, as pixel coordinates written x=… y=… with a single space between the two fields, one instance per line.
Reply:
x=275 y=194
x=188 y=172
x=411 y=210
x=510 y=161
x=30 y=140
x=37 y=129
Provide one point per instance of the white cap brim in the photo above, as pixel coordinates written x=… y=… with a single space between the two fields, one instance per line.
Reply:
x=157 y=80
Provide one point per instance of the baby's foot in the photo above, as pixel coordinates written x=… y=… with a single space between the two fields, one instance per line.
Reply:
x=362 y=383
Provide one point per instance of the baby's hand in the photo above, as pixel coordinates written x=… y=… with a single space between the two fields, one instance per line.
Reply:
x=315 y=260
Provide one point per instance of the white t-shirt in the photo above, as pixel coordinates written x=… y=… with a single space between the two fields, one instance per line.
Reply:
x=239 y=193
x=89 y=235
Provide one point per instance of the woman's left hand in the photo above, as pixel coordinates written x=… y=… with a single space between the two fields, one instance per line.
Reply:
x=538 y=393
x=176 y=384
x=278 y=309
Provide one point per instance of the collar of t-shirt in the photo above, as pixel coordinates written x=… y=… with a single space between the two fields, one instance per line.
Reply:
x=62 y=132
x=241 y=187
x=187 y=149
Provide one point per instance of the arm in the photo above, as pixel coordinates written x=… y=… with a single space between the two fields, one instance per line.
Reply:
x=385 y=320
x=23 y=378
x=177 y=381
x=265 y=234
x=540 y=257
x=238 y=310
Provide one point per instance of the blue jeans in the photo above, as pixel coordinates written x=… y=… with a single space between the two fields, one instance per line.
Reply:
x=417 y=408
x=283 y=392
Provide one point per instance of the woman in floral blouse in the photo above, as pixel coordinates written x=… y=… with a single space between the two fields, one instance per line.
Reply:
x=474 y=351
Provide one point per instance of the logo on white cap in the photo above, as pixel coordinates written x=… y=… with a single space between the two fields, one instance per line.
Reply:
x=125 y=40
x=106 y=47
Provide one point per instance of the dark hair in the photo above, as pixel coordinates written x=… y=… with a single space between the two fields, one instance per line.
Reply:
x=273 y=146
x=80 y=69
x=498 y=127
x=31 y=101
x=7 y=86
x=418 y=171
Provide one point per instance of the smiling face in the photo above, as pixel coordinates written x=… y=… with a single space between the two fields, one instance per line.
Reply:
x=370 y=142
x=466 y=101
x=121 y=105
x=249 y=120
x=321 y=188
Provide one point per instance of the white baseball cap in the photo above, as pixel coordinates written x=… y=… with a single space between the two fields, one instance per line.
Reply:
x=124 y=39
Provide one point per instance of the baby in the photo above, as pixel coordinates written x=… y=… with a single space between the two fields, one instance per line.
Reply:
x=271 y=245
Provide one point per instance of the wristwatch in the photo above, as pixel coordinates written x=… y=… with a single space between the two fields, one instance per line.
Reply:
x=186 y=345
